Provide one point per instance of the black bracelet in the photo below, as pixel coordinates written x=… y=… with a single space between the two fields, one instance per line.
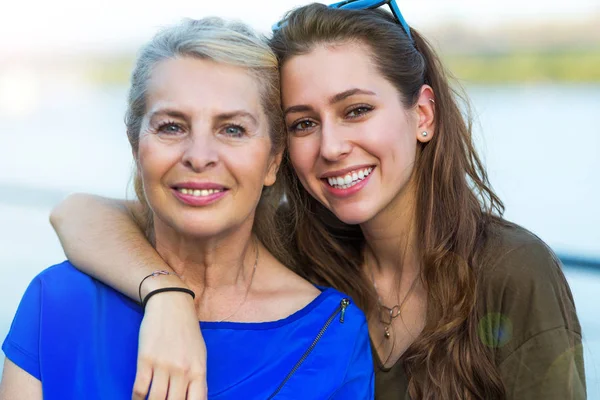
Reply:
x=167 y=289
x=152 y=275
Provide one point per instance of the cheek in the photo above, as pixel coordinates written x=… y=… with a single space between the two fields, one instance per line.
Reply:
x=398 y=146
x=155 y=159
x=302 y=155
x=249 y=164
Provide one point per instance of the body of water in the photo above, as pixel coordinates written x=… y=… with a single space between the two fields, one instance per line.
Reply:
x=541 y=145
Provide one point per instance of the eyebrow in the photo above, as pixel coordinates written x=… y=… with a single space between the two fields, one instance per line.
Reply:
x=332 y=100
x=219 y=117
x=240 y=113
x=168 y=112
x=351 y=92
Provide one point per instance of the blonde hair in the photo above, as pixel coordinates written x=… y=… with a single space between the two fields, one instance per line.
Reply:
x=228 y=43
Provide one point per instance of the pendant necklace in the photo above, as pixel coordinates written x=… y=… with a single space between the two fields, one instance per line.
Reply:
x=387 y=315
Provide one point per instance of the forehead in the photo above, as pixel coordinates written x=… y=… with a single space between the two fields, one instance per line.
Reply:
x=196 y=84
x=326 y=70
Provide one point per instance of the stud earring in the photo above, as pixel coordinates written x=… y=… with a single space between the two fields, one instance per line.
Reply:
x=424 y=133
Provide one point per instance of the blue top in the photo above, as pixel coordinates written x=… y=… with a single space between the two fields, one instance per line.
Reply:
x=79 y=337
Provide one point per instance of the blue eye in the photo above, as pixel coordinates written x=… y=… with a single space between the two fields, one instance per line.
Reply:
x=170 y=128
x=234 y=130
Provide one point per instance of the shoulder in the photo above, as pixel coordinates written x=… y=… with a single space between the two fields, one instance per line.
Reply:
x=63 y=280
x=64 y=286
x=522 y=289
x=330 y=304
x=336 y=299
x=512 y=252
x=51 y=294
x=63 y=274
x=528 y=316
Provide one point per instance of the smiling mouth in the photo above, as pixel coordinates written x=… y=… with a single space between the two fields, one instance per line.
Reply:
x=199 y=192
x=350 y=179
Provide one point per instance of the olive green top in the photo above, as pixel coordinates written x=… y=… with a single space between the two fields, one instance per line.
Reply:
x=528 y=318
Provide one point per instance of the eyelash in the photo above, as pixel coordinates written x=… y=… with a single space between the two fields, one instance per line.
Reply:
x=161 y=128
x=358 y=107
x=294 y=126
x=240 y=127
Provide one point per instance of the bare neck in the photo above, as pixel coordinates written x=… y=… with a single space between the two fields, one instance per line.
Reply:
x=391 y=242
x=208 y=262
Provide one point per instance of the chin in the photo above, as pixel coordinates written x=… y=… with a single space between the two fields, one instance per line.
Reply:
x=352 y=215
x=194 y=226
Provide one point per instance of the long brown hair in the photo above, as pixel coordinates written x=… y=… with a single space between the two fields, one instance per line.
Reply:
x=455 y=203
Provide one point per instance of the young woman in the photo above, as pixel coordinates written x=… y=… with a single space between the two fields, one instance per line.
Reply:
x=207 y=147
x=387 y=200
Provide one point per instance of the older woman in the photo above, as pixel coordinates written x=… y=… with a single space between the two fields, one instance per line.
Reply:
x=206 y=136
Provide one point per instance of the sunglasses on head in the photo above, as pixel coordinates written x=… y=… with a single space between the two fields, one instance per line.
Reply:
x=364 y=5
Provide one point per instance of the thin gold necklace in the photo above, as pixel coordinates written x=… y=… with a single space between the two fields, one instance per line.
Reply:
x=387 y=315
x=247 y=289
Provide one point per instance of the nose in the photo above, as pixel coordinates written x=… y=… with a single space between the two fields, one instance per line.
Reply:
x=200 y=152
x=334 y=144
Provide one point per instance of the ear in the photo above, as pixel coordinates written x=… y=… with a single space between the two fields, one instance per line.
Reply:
x=272 y=168
x=426 y=112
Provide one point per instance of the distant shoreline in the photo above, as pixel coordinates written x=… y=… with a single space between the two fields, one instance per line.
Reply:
x=578 y=66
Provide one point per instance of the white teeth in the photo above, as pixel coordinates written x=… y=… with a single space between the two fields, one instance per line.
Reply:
x=199 y=192
x=350 y=179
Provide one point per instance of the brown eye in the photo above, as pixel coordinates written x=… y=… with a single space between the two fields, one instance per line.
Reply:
x=358 y=111
x=302 y=126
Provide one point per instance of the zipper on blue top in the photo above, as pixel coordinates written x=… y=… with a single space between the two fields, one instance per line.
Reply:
x=340 y=309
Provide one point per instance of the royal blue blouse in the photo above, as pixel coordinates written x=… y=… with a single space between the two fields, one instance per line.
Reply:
x=79 y=337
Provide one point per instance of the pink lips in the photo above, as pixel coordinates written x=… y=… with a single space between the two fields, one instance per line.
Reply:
x=342 y=172
x=200 y=185
x=199 y=201
x=343 y=193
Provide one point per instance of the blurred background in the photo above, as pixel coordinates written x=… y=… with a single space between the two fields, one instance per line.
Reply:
x=531 y=69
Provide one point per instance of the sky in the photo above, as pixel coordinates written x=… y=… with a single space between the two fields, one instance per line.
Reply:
x=42 y=26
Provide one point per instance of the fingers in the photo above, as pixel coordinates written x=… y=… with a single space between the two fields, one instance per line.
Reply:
x=197 y=389
x=142 y=382
x=177 y=387
x=170 y=361
x=160 y=385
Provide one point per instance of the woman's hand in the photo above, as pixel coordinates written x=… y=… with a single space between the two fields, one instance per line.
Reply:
x=172 y=353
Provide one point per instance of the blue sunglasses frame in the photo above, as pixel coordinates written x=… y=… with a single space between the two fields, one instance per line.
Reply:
x=365 y=5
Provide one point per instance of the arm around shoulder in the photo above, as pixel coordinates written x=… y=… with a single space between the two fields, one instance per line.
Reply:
x=103 y=238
